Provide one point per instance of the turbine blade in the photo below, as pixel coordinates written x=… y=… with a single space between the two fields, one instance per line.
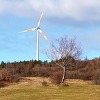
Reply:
x=42 y=34
x=40 y=20
x=29 y=30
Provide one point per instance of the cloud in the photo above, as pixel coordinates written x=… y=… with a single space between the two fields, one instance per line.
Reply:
x=24 y=7
x=80 y=10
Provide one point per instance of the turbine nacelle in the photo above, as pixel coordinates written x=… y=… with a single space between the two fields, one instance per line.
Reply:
x=38 y=28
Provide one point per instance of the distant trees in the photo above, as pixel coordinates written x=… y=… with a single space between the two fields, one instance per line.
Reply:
x=3 y=65
x=78 y=69
x=64 y=52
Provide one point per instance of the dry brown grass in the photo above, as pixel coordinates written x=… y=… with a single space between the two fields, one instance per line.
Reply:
x=78 y=82
x=36 y=82
x=29 y=82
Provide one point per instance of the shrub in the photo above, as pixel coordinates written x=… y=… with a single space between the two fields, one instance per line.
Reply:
x=15 y=78
x=96 y=77
x=56 y=76
x=2 y=84
x=44 y=83
x=4 y=75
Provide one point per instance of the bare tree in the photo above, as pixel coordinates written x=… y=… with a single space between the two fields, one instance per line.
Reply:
x=63 y=51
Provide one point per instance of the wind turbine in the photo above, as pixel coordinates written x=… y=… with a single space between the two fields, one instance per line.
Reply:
x=37 y=28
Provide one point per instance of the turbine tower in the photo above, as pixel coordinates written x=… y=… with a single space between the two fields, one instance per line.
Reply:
x=37 y=28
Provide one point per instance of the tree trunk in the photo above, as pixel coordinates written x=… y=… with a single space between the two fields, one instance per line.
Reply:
x=64 y=74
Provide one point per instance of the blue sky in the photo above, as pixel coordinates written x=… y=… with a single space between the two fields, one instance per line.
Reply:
x=79 y=18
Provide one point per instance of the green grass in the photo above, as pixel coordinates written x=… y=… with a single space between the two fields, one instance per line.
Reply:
x=71 y=92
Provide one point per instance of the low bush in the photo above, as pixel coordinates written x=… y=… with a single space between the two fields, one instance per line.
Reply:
x=15 y=78
x=56 y=76
x=4 y=75
x=2 y=84
x=44 y=83
x=96 y=77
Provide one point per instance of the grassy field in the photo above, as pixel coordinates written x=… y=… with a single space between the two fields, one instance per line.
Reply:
x=32 y=89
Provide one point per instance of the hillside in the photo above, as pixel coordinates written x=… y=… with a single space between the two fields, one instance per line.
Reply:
x=81 y=69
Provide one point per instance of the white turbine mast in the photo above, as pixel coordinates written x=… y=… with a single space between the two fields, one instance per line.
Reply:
x=37 y=28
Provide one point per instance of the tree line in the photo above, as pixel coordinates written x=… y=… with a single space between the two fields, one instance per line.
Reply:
x=82 y=69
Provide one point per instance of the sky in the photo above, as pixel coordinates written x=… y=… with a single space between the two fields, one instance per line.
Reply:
x=75 y=18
